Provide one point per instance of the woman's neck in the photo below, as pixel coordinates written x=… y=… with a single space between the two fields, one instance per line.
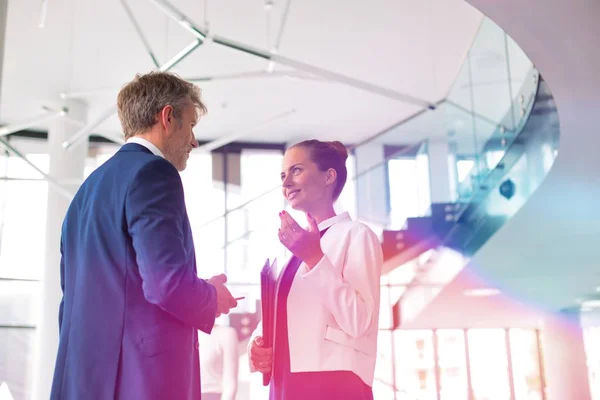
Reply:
x=322 y=214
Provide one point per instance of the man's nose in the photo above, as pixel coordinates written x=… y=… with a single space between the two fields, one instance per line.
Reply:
x=195 y=143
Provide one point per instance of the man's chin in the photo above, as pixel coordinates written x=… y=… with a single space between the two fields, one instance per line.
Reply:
x=180 y=166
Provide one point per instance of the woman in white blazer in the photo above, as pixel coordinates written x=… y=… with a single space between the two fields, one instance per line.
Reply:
x=327 y=302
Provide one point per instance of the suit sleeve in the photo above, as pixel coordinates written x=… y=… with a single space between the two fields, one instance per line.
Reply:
x=349 y=284
x=61 y=307
x=155 y=212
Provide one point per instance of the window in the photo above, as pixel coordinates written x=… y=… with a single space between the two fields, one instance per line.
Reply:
x=464 y=167
x=591 y=336
x=22 y=243
x=525 y=364
x=415 y=363
x=252 y=229
x=347 y=199
x=205 y=203
x=489 y=364
x=24 y=199
x=452 y=363
x=409 y=188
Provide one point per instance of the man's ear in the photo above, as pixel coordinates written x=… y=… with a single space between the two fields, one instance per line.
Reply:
x=165 y=117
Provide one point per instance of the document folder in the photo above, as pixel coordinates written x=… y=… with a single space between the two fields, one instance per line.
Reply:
x=268 y=283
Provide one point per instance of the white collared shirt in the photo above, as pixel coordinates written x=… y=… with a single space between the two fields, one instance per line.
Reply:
x=345 y=216
x=147 y=144
x=333 y=308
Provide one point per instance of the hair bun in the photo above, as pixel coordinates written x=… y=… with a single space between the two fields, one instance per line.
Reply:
x=340 y=149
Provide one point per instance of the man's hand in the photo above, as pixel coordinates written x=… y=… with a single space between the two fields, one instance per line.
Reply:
x=225 y=300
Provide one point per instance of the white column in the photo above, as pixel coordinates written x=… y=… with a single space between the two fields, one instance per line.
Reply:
x=3 y=13
x=565 y=366
x=65 y=165
x=372 y=184
x=442 y=171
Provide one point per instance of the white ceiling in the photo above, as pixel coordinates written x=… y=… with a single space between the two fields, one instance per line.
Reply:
x=447 y=310
x=482 y=85
x=415 y=47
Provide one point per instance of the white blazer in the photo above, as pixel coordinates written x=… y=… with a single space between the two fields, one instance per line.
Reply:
x=333 y=309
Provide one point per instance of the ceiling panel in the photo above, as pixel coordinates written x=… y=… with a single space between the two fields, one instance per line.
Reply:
x=413 y=46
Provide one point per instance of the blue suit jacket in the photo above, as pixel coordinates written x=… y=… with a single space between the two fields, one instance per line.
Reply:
x=132 y=302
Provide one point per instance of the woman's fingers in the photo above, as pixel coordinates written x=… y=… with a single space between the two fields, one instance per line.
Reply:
x=288 y=222
x=262 y=369
x=261 y=353
x=261 y=358
x=262 y=362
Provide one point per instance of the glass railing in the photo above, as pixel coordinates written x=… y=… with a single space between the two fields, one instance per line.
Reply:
x=473 y=127
x=508 y=186
x=495 y=85
x=522 y=168
x=492 y=140
x=508 y=155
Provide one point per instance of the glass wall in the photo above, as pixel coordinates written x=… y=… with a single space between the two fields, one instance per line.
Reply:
x=448 y=364
x=488 y=357
x=591 y=336
x=452 y=362
x=441 y=364
x=22 y=201
x=525 y=355
x=205 y=201
x=23 y=195
x=233 y=197
x=408 y=188
x=415 y=363
x=246 y=225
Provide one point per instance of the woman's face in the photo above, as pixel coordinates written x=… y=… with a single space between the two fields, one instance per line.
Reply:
x=305 y=187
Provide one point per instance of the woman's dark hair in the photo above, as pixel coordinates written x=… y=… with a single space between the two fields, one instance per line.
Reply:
x=328 y=155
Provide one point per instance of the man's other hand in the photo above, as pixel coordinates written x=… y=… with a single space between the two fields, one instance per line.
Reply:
x=225 y=301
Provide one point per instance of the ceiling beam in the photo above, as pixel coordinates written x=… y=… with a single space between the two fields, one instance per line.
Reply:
x=204 y=35
x=222 y=141
x=86 y=130
x=53 y=182
x=22 y=125
x=140 y=33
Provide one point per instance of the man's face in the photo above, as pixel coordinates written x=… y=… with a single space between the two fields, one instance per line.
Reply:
x=181 y=139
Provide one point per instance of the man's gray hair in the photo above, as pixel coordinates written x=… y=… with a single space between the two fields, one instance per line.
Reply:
x=140 y=101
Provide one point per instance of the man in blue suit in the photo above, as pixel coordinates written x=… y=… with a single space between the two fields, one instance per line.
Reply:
x=132 y=301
